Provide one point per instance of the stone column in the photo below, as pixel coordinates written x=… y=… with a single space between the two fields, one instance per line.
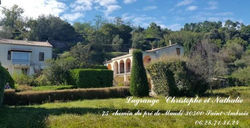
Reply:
x=118 y=68
x=125 y=70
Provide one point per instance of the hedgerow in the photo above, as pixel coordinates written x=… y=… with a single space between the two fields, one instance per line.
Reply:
x=91 y=78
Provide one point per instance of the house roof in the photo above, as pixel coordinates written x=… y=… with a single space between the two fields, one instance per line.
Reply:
x=25 y=42
x=156 y=49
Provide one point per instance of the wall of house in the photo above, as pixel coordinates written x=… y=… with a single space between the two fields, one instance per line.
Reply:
x=35 y=64
x=170 y=51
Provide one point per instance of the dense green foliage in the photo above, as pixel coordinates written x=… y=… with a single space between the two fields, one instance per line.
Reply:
x=4 y=79
x=138 y=83
x=91 y=78
x=243 y=75
x=23 y=79
x=174 y=78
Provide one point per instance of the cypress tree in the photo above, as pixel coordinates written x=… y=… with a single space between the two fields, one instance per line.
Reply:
x=138 y=83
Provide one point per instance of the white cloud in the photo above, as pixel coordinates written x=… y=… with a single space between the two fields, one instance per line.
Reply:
x=174 y=27
x=212 y=5
x=105 y=3
x=219 y=16
x=36 y=8
x=184 y=2
x=149 y=8
x=142 y=20
x=111 y=8
x=129 y=1
x=191 y=8
x=106 y=6
x=72 y=16
x=81 y=5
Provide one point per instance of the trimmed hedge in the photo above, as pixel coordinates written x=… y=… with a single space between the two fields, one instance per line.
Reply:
x=174 y=78
x=38 y=97
x=97 y=67
x=91 y=78
x=4 y=78
x=139 y=83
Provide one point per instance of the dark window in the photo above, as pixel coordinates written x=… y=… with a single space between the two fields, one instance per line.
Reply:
x=178 y=51
x=25 y=71
x=9 y=55
x=41 y=56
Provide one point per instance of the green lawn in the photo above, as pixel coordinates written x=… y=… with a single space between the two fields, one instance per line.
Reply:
x=88 y=113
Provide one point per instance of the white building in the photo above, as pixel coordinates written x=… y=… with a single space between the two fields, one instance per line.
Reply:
x=21 y=56
x=122 y=65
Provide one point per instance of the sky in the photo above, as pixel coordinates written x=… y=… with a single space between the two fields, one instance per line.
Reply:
x=172 y=14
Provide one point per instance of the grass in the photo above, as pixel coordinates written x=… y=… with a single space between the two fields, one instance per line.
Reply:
x=88 y=113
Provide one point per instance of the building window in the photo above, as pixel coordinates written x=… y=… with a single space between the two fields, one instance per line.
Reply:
x=24 y=71
x=9 y=55
x=41 y=56
x=20 y=57
x=178 y=51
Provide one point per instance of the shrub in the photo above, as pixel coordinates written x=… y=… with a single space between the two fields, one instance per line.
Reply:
x=243 y=75
x=38 y=97
x=138 y=83
x=4 y=78
x=42 y=80
x=91 y=78
x=174 y=78
x=23 y=79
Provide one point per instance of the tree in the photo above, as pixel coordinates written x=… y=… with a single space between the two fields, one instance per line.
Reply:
x=48 y=28
x=4 y=78
x=117 y=43
x=203 y=60
x=57 y=71
x=153 y=31
x=13 y=23
x=139 y=42
x=239 y=41
x=138 y=84
x=245 y=33
x=231 y=52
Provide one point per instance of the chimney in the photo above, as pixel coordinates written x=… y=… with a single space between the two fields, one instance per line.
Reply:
x=170 y=42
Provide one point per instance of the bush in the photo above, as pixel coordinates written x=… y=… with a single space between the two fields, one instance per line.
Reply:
x=138 y=83
x=4 y=78
x=23 y=79
x=91 y=78
x=42 y=80
x=38 y=97
x=174 y=78
x=243 y=75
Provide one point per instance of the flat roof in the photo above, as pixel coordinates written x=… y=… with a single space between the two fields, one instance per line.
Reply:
x=25 y=42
